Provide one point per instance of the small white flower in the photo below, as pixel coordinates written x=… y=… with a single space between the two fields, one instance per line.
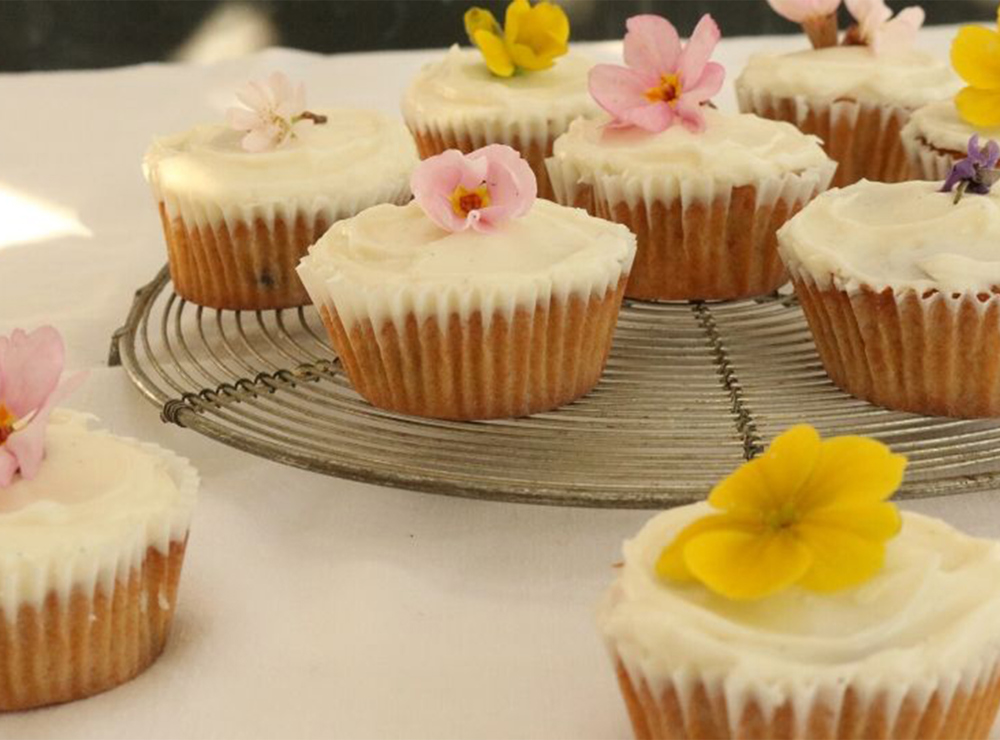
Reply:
x=274 y=108
x=880 y=30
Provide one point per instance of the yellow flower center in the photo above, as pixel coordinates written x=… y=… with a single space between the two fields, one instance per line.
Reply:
x=668 y=91
x=463 y=201
x=781 y=518
x=7 y=421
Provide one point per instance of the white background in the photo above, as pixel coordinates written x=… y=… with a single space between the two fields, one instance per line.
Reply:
x=310 y=606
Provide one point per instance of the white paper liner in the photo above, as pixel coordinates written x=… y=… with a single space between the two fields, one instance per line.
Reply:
x=926 y=163
x=721 y=700
x=98 y=567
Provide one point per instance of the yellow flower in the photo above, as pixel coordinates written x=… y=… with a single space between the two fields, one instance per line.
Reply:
x=975 y=54
x=532 y=37
x=807 y=512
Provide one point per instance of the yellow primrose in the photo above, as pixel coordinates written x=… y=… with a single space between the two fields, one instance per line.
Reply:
x=975 y=54
x=807 y=512
x=531 y=39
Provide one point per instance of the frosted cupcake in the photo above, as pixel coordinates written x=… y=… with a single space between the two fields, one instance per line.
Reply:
x=900 y=284
x=476 y=300
x=520 y=87
x=936 y=135
x=93 y=530
x=240 y=204
x=704 y=192
x=856 y=97
x=798 y=603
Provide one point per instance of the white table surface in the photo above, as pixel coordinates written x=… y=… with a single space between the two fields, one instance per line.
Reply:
x=310 y=606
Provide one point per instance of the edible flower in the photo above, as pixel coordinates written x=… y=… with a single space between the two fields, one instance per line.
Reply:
x=975 y=54
x=480 y=190
x=31 y=366
x=274 y=110
x=808 y=512
x=664 y=81
x=977 y=173
x=818 y=18
x=532 y=38
x=879 y=30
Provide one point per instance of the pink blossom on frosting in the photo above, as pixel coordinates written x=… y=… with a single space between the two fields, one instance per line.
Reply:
x=664 y=81
x=480 y=190
x=800 y=11
x=274 y=109
x=31 y=366
x=882 y=32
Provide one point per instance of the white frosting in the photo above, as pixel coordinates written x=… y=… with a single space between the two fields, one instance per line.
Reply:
x=96 y=505
x=907 y=79
x=356 y=159
x=931 y=616
x=458 y=93
x=733 y=149
x=392 y=261
x=939 y=125
x=907 y=236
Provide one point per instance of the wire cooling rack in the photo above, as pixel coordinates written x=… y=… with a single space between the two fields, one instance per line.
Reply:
x=690 y=391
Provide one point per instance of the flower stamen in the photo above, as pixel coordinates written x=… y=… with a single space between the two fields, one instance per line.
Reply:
x=7 y=421
x=668 y=91
x=464 y=202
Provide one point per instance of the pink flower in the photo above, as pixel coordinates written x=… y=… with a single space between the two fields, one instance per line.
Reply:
x=663 y=81
x=30 y=368
x=879 y=30
x=800 y=11
x=479 y=190
x=273 y=111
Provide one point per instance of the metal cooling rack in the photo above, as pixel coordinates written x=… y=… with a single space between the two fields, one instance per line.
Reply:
x=690 y=391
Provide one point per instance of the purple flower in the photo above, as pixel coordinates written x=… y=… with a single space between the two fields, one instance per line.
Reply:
x=977 y=173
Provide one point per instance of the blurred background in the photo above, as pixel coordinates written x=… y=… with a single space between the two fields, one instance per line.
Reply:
x=80 y=34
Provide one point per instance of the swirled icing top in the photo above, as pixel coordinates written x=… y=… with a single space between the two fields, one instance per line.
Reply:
x=907 y=79
x=459 y=91
x=934 y=605
x=392 y=261
x=97 y=503
x=940 y=126
x=356 y=159
x=907 y=236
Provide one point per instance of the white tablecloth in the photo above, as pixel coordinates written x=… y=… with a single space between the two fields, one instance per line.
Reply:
x=310 y=606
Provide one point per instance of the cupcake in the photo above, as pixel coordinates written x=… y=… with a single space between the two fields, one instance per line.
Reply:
x=476 y=300
x=798 y=603
x=856 y=97
x=935 y=136
x=520 y=87
x=900 y=284
x=93 y=530
x=703 y=191
x=240 y=204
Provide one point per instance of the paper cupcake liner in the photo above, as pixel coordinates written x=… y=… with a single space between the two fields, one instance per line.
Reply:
x=863 y=138
x=697 y=240
x=534 y=149
x=926 y=353
x=702 y=706
x=926 y=161
x=90 y=641
x=498 y=365
x=244 y=258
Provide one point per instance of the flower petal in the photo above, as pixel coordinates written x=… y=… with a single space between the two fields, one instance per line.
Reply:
x=516 y=11
x=28 y=444
x=900 y=33
x=511 y=182
x=30 y=367
x=242 y=119
x=975 y=54
x=480 y=19
x=876 y=522
x=710 y=83
x=259 y=140
x=8 y=467
x=979 y=107
x=840 y=558
x=495 y=53
x=698 y=51
x=745 y=565
x=619 y=90
x=651 y=44
x=850 y=472
x=525 y=58
x=799 y=11
x=671 y=565
x=773 y=479
x=690 y=115
x=433 y=181
x=253 y=97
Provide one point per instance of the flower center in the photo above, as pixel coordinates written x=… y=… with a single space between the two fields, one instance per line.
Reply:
x=463 y=201
x=780 y=518
x=7 y=420
x=668 y=91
